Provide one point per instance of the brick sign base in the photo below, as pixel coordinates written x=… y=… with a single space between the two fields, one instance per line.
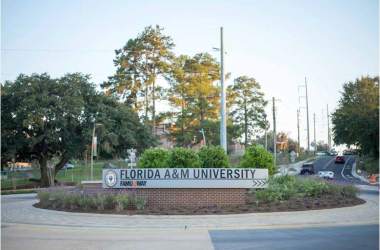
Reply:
x=179 y=197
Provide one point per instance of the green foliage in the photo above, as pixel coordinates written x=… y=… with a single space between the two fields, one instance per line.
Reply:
x=44 y=118
x=138 y=203
x=194 y=94
x=213 y=157
x=109 y=201
x=183 y=158
x=103 y=201
x=122 y=202
x=356 y=120
x=138 y=64
x=71 y=201
x=44 y=198
x=369 y=164
x=286 y=187
x=257 y=157
x=154 y=158
x=247 y=104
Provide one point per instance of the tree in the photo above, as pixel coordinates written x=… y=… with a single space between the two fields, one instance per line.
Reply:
x=193 y=95
x=45 y=118
x=247 y=106
x=121 y=129
x=257 y=157
x=356 y=120
x=139 y=63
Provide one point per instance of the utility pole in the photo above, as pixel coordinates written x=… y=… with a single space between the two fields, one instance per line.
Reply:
x=328 y=128
x=307 y=117
x=92 y=152
x=266 y=139
x=274 y=133
x=298 y=131
x=315 y=139
x=223 y=129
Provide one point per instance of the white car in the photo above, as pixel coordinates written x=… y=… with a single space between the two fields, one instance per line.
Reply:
x=68 y=166
x=326 y=174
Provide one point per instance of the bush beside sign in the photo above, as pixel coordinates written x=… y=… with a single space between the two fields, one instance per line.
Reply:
x=185 y=178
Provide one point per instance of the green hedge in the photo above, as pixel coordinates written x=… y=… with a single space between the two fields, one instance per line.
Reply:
x=183 y=158
x=154 y=158
x=257 y=157
x=213 y=157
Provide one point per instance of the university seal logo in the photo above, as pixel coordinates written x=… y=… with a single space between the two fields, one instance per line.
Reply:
x=110 y=178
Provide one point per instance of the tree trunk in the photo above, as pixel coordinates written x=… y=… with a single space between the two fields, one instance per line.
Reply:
x=60 y=165
x=182 y=120
x=44 y=182
x=245 y=125
x=154 y=108
x=146 y=102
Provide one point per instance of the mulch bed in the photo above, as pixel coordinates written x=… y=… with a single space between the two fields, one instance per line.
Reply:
x=294 y=204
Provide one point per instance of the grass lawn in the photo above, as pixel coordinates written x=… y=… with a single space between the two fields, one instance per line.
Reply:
x=80 y=172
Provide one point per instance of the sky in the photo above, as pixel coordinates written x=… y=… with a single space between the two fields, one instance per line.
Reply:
x=278 y=42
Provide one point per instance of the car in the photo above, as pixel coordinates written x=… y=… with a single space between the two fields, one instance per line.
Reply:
x=307 y=168
x=350 y=152
x=339 y=159
x=322 y=153
x=326 y=175
x=68 y=166
x=333 y=153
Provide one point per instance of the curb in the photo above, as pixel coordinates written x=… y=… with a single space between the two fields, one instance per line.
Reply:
x=354 y=174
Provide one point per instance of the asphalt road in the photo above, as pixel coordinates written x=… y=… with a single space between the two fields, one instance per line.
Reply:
x=342 y=172
x=363 y=237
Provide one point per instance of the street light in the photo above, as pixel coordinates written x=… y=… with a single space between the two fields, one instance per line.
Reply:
x=92 y=149
x=223 y=123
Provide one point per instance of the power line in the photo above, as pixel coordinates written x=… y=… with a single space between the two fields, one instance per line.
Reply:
x=59 y=50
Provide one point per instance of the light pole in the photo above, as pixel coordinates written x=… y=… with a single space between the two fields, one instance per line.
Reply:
x=274 y=133
x=223 y=123
x=223 y=128
x=93 y=146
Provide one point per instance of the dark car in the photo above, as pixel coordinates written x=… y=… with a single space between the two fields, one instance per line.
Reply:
x=339 y=159
x=307 y=168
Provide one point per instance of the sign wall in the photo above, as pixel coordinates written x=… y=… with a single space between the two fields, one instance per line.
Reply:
x=185 y=178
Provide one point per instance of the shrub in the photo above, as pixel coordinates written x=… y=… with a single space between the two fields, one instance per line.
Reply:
x=183 y=158
x=314 y=188
x=122 y=202
x=86 y=202
x=102 y=201
x=154 y=158
x=44 y=198
x=99 y=201
x=287 y=187
x=56 y=199
x=70 y=200
x=140 y=203
x=349 y=191
x=109 y=201
x=213 y=157
x=257 y=157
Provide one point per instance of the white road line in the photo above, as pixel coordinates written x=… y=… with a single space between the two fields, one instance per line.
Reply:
x=328 y=163
x=345 y=164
